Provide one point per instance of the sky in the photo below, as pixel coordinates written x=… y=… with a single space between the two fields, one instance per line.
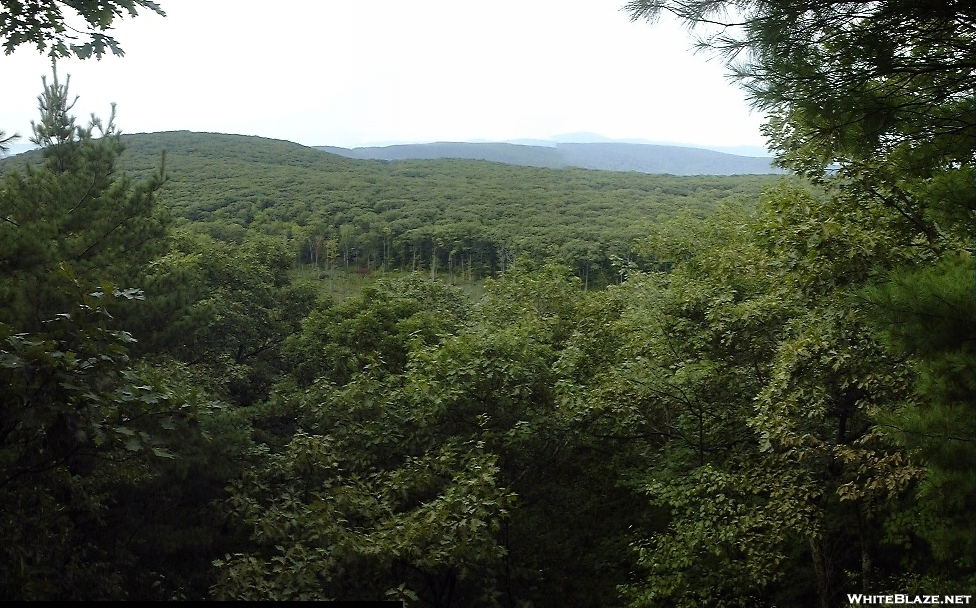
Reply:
x=340 y=73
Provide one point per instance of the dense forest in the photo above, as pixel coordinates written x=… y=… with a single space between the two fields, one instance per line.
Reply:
x=461 y=217
x=554 y=387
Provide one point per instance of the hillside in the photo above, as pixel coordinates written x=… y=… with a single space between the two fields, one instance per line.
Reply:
x=604 y=156
x=408 y=213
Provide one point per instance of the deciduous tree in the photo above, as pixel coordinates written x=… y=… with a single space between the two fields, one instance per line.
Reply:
x=52 y=25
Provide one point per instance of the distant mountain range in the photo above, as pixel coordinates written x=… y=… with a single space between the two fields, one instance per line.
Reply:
x=605 y=156
x=584 y=151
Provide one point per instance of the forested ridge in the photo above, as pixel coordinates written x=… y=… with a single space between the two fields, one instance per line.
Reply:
x=609 y=156
x=368 y=215
x=762 y=396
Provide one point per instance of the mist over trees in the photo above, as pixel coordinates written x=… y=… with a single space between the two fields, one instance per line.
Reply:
x=548 y=387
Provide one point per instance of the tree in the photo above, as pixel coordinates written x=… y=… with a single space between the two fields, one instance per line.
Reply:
x=374 y=503
x=107 y=470
x=76 y=210
x=875 y=102
x=856 y=79
x=224 y=309
x=84 y=428
x=699 y=341
x=47 y=24
x=420 y=418
x=5 y=141
x=42 y=23
x=376 y=330
x=876 y=98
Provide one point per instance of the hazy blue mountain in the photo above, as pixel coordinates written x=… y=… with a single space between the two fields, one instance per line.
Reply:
x=595 y=138
x=545 y=143
x=605 y=155
x=20 y=148
x=511 y=154
x=675 y=160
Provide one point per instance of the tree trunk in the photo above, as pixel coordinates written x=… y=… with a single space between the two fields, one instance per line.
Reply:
x=820 y=573
x=866 y=561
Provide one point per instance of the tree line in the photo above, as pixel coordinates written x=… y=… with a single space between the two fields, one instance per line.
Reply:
x=773 y=405
x=466 y=219
x=471 y=216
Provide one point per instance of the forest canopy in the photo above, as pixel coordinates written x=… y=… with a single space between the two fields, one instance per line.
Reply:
x=760 y=394
x=468 y=218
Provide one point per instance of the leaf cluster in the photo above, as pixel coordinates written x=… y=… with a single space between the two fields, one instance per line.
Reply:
x=53 y=26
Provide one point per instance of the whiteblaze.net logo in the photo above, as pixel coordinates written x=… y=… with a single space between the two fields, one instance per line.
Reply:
x=903 y=599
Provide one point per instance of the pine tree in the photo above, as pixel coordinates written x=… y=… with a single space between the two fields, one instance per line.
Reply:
x=875 y=102
x=81 y=425
x=76 y=211
x=927 y=316
x=5 y=141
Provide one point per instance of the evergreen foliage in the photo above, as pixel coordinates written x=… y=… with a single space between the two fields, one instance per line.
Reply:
x=82 y=426
x=74 y=209
x=766 y=402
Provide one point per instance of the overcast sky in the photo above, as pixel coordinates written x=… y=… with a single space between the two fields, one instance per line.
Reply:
x=330 y=72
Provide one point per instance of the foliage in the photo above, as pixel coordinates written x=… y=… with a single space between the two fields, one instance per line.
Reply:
x=467 y=219
x=927 y=316
x=763 y=402
x=225 y=309
x=5 y=141
x=456 y=401
x=872 y=101
x=353 y=506
x=80 y=425
x=471 y=218
x=847 y=81
x=91 y=440
x=376 y=330
x=46 y=24
x=766 y=403
x=75 y=209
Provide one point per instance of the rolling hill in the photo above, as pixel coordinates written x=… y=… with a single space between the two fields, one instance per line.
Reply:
x=405 y=213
